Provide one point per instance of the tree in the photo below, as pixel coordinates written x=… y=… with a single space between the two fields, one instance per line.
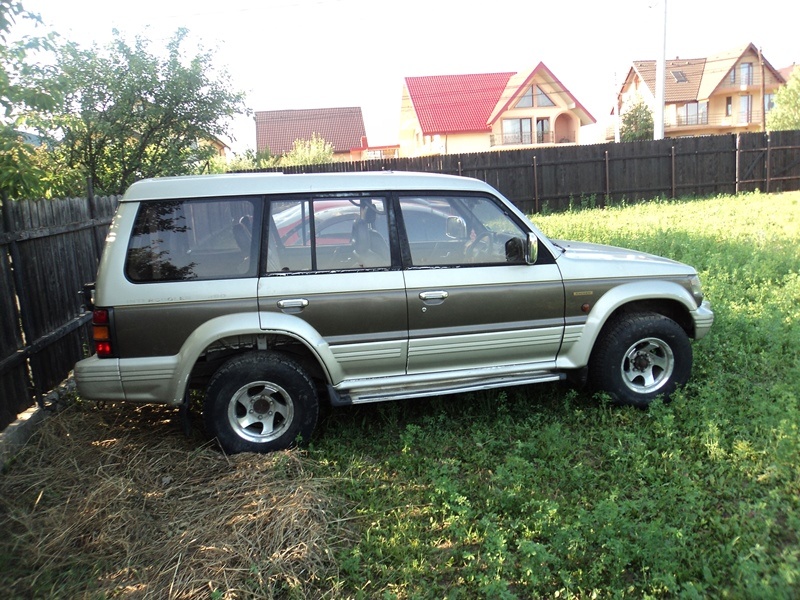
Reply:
x=129 y=114
x=637 y=122
x=27 y=89
x=315 y=151
x=249 y=160
x=785 y=114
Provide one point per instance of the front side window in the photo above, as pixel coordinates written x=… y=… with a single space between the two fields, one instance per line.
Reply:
x=460 y=231
x=328 y=234
x=184 y=240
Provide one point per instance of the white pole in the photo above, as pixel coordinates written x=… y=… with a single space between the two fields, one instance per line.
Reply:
x=658 y=116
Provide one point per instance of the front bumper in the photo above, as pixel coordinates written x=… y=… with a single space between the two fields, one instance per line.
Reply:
x=703 y=319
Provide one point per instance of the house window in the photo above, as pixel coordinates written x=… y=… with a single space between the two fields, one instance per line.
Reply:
x=745 y=109
x=746 y=73
x=733 y=76
x=534 y=96
x=543 y=99
x=526 y=100
x=694 y=113
x=690 y=114
x=543 y=131
x=728 y=106
x=517 y=131
x=769 y=102
x=680 y=76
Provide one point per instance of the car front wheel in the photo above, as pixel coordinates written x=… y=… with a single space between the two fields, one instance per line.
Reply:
x=260 y=402
x=640 y=357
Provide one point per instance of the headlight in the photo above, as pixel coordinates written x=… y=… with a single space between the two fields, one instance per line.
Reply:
x=697 y=290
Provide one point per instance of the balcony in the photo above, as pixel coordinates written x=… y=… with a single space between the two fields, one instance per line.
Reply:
x=527 y=139
x=738 y=119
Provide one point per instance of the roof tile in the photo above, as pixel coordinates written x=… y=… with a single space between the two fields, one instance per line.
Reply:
x=456 y=103
x=277 y=130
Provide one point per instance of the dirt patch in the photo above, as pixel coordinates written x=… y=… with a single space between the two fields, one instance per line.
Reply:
x=117 y=502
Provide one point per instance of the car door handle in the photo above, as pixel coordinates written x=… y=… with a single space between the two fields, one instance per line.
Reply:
x=293 y=304
x=437 y=295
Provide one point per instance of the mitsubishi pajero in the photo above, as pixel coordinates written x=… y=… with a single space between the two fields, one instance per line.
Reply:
x=273 y=293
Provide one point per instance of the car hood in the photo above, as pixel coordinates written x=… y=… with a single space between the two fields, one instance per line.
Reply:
x=584 y=259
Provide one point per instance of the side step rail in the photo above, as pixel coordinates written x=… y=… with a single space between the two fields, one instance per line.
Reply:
x=378 y=393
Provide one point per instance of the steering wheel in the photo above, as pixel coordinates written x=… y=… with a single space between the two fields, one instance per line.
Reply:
x=371 y=206
x=480 y=247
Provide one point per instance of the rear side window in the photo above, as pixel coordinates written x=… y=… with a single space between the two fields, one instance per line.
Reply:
x=183 y=240
x=328 y=234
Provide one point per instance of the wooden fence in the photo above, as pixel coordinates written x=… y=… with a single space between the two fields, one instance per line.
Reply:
x=553 y=178
x=49 y=249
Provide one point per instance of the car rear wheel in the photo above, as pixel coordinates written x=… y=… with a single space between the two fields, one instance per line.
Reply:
x=640 y=357
x=260 y=402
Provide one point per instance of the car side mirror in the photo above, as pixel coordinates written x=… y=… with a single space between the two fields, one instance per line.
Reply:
x=456 y=228
x=532 y=249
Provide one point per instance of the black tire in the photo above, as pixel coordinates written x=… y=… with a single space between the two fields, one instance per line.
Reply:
x=639 y=357
x=260 y=402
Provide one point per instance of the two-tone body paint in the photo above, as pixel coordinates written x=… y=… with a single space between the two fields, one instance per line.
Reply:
x=378 y=333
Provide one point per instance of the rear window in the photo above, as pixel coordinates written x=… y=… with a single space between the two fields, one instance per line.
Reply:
x=183 y=240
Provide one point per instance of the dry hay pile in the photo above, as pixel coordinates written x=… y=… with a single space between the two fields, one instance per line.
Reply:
x=117 y=502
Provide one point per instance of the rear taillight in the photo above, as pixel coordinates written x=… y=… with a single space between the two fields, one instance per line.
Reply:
x=101 y=332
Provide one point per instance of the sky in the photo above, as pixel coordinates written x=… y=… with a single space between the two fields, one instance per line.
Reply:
x=293 y=54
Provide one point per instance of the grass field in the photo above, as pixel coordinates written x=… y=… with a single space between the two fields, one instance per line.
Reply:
x=531 y=492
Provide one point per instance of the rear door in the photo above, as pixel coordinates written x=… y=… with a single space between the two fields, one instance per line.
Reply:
x=329 y=265
x=473 y=301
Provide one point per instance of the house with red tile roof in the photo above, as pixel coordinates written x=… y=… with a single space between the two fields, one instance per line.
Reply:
x=454 y=114
x=787 y=72
x=729 y=92
x=343 y=128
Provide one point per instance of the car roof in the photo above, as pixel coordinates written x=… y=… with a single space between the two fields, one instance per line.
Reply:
x=237 y=184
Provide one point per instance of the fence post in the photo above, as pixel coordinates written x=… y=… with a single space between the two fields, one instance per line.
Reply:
x=90 y=199
x=608 y=180
x=535 y=187
x=25 y=324
x=767 y=165
x=4 y=210
x=672 y=174
x=736 y=151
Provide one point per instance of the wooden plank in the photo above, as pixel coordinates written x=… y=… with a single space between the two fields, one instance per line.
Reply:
x=15 y=396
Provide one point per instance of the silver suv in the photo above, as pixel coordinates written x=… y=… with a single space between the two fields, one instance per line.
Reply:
x=275 y=292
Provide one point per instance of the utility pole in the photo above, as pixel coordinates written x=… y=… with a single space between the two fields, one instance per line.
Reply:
x=763 y=92
x=658 y=117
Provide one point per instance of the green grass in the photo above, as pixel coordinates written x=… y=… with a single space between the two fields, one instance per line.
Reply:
x=543 y=492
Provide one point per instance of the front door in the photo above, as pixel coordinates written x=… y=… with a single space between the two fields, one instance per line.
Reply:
x=473 y=301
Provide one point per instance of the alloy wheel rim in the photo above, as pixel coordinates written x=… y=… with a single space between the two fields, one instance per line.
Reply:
x=260 y=411
x=647 y=365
